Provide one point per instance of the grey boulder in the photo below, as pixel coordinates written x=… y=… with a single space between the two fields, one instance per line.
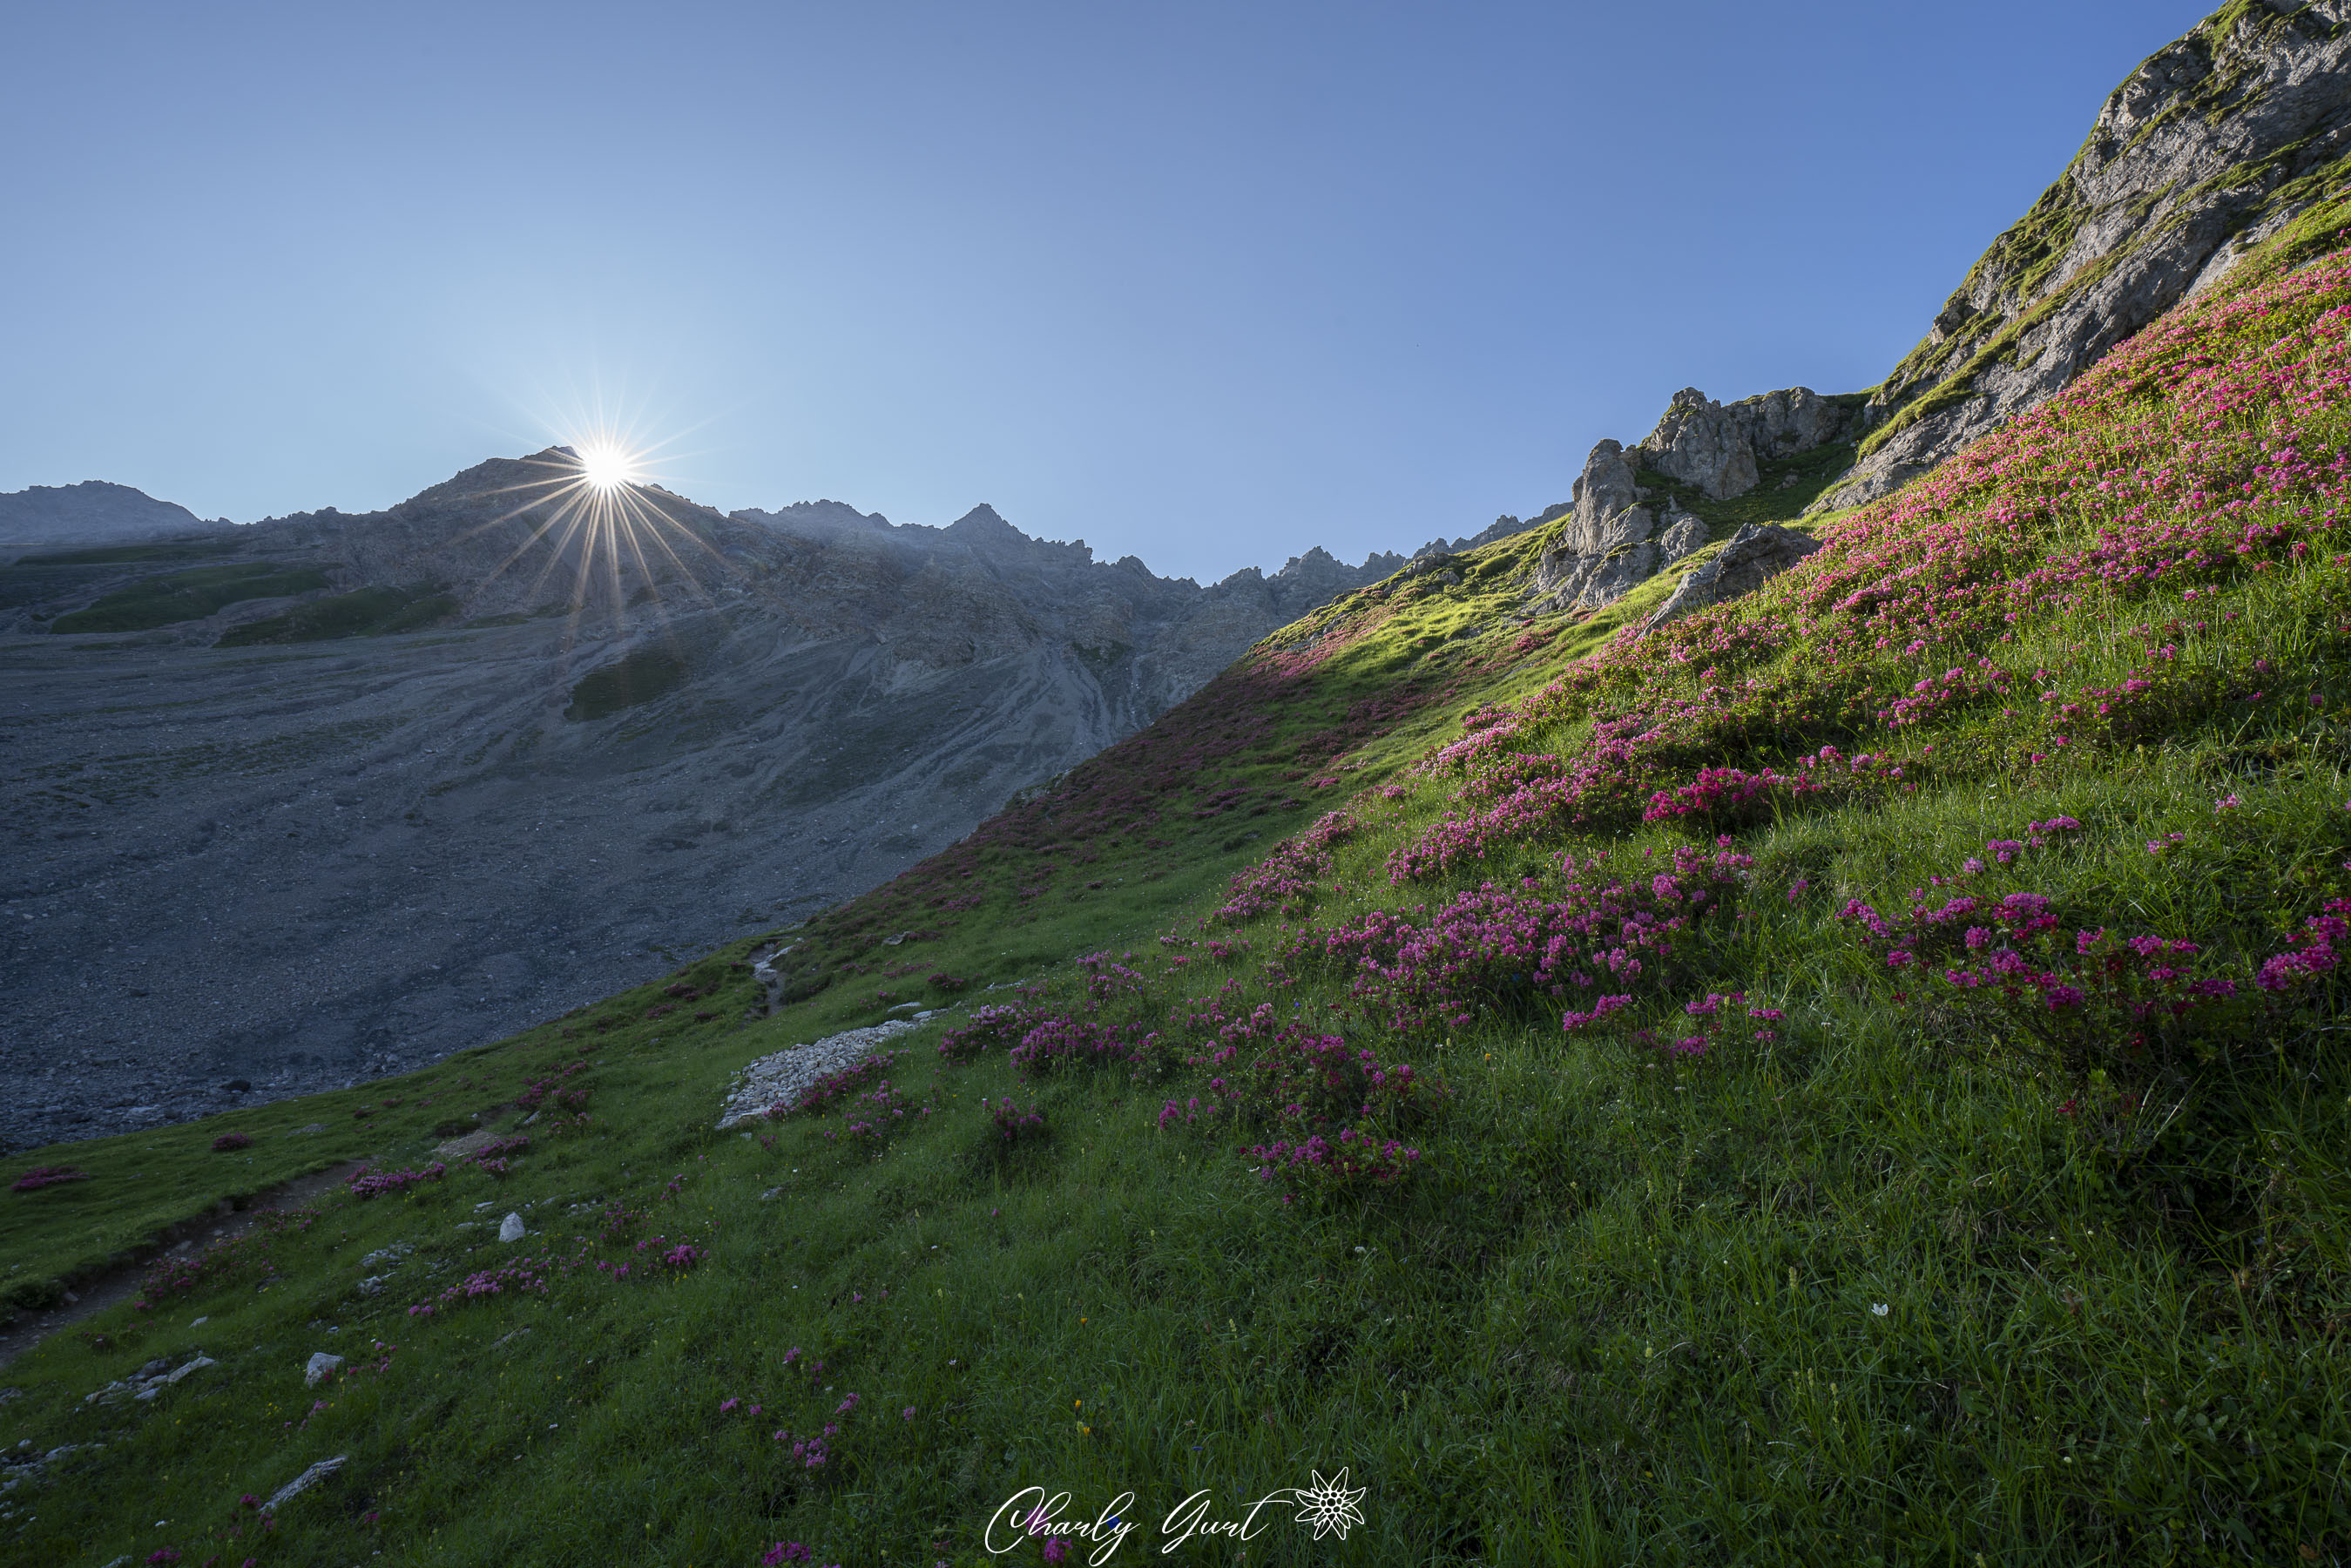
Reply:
x=1686 y=535
x=1755 y=554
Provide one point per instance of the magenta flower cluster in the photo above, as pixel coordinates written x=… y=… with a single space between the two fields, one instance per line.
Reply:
x=39 y=1176
x=365 y=1182
x=1598 y=931
x=995 y=1024
x=1013 y=1124
x=1288 y=879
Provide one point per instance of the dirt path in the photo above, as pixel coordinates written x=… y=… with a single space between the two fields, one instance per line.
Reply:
x=119 y=1284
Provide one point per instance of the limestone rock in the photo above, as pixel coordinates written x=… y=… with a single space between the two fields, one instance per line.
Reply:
x=1686 y=535
x=1718 y=447
x=305 y=1481
x=1605 y=550
x=511 y=1229
x=2211 y=145
x=321 y=1367
x=1699 y=445
x=1757 y=552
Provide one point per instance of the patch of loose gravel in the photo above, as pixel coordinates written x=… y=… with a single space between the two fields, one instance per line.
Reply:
x=781 y=1077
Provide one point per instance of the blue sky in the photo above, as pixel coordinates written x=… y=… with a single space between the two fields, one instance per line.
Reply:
x=1206 y=283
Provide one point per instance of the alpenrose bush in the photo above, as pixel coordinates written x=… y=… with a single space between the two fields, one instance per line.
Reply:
x=1013 y=1122
x=996 y=1025
x=40 y=1176
x=845 y=1083
x=1606 y=926
x=1337 y=1111
x=2205 y=454
x=1056 y=1044
x=2147 y=1011
x=874 y=1115
x=366 y=1182
x=1287 y=880
x=185 y=1273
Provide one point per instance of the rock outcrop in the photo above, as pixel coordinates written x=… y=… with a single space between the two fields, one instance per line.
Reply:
x=1604 y=548
x=2213 y=144
x=1616 y=537
x=1755 y=554
x=1719 y=449
x=1502 y=528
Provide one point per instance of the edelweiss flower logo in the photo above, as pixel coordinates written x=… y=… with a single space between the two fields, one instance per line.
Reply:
x=1329 y=1505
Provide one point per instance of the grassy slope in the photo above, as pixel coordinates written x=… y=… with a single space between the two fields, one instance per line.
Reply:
x=1626 y=1307
x=189 y=595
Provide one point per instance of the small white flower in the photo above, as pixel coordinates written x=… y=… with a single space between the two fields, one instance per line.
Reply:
x=1879 y=1309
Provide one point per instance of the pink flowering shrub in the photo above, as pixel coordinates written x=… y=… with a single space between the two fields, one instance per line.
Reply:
x=366 y=1182
x=845 y=1083
x=227 y=1142
x=524 y=1276
x=1605 y=927
x=877 y=1113
x=2146 y=1009
x=224 y=1258
x=1013 y=1124
x=994 y=1025
x=538 y=1089
x=1287 y=880
x=492 y=1156
x=1336 y=1110
x=39 y=1176
x=1058 y=1044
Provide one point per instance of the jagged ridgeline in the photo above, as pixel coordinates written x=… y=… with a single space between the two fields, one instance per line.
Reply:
x=422 y=775
x=1846 y=1070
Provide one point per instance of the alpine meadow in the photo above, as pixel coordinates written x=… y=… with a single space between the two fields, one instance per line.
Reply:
x=1788 y=1010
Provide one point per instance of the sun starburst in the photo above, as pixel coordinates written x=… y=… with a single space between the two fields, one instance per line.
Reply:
x=590 y=509
x=607 y=467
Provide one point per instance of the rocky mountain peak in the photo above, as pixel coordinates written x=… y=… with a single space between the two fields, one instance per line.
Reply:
x=93 y=512
x=2213 y=144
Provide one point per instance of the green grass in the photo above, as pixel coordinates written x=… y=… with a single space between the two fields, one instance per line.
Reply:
x=174 y=597
x=636 y=677
x=120 y=555
x=366 y=613
x=1891 y=1286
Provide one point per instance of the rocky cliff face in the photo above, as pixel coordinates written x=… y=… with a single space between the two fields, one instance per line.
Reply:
x=2210 y=146
x=607 y=741
x=1619 y=531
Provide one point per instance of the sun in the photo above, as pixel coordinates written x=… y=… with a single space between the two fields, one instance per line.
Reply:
x=607 y=467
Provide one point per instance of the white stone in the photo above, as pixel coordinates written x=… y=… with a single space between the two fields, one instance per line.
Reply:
x=511 y=1229
x=306 y=1480
x=321 y=1365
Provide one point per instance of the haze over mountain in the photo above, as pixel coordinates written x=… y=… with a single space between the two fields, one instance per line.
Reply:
x=333 y=794
x=91 y=513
